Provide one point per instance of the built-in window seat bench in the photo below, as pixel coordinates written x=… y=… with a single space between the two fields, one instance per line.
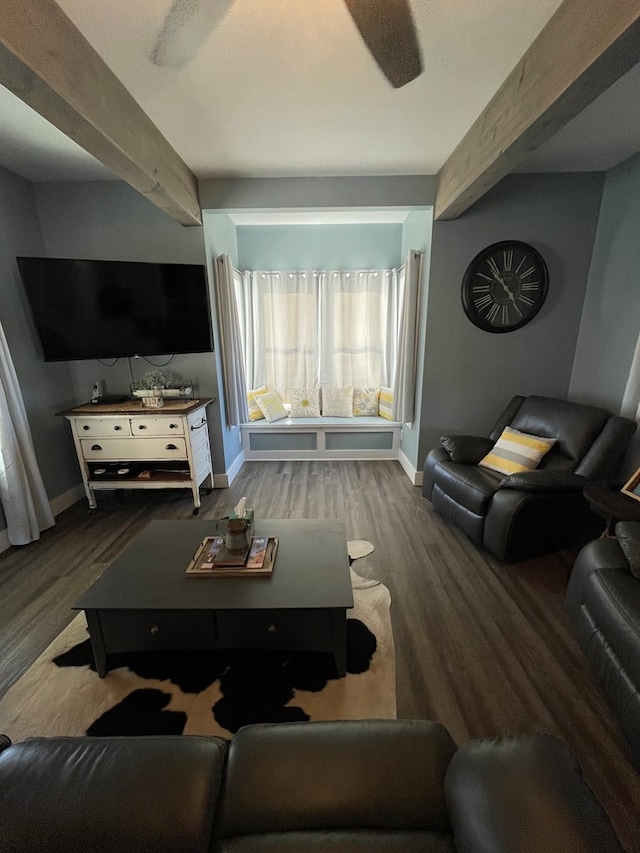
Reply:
x=321 y=438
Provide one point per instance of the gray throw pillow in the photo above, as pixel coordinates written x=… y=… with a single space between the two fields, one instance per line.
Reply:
x=628 y=536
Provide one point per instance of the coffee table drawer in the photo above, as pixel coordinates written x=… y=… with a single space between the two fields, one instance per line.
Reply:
x=145 y=630
x=275 y=629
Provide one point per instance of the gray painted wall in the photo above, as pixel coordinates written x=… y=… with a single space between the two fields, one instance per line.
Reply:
x=611 y=317
x=111 y=221
x=46 y=388
x=311 y=193
x=470 y=375
x=319 y=247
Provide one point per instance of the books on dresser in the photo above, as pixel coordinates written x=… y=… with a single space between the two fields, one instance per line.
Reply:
x=212 y=559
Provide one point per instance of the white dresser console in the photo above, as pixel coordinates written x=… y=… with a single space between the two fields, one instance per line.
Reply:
x=123 y=446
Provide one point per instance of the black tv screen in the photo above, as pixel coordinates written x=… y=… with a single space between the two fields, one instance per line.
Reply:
x=85 y=309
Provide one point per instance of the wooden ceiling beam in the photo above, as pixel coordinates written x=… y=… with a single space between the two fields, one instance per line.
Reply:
x=586 y=46
x=46 y=61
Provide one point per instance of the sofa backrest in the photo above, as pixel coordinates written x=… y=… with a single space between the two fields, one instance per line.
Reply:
x=589 y=440
x=574 y=426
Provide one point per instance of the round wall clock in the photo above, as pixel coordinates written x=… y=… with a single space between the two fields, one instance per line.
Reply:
x=505 y=286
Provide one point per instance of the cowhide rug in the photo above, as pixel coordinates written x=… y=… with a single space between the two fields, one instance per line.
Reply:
x=213 y=692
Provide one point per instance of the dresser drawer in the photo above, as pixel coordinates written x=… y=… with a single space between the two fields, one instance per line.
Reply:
x=143 y=630
x=275 y=629
x=157 y=426
x=145 y=448
x=102 y=426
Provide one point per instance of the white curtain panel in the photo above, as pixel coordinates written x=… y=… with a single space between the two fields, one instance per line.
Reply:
x=250 y=330
x=24 y=499
x=285 y=311
x=354 y=333
x=404 y=382
x=630 y=407
x=233 y=369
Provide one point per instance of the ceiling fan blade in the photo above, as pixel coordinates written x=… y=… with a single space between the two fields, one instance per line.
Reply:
x=388 y=30
x=186 y=27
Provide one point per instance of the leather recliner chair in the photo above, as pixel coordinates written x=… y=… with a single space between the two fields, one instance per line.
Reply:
x=534 y=512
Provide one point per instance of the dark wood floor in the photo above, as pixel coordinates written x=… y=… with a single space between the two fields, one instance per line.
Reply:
x=483 y=647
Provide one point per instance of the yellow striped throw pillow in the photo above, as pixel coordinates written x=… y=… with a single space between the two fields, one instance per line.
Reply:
x=516 y=451
x=271 y=406
x=385 y=402
x=254 y=409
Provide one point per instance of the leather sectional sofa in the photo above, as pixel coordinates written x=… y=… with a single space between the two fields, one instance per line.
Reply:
x=522 y=515
x=603 y=604
x=377 y=785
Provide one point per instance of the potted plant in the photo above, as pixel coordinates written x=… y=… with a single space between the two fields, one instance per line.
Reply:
x=152 y=382
x=157 y=383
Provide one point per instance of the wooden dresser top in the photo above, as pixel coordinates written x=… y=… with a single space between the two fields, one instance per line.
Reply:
x=135 y=407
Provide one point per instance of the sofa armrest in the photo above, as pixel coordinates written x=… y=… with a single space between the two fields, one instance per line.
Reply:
x=524 y=794
x=466 y=449
x=544 y=481
x=628 y=536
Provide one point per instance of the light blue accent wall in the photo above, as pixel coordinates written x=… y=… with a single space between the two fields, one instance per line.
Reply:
x=312 y=247
x=469 y=374
x=46 y=388
x=221 y=237
x=222 y=197
x=611 y=317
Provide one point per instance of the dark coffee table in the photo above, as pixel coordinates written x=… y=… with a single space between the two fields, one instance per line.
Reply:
x=144 y=601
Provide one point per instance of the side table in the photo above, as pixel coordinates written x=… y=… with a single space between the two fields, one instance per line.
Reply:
x=606 y=499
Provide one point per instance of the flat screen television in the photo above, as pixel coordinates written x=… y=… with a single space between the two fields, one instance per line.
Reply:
x=85 y=309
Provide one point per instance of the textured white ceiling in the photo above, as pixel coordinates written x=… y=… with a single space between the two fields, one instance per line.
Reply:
x=271 y=88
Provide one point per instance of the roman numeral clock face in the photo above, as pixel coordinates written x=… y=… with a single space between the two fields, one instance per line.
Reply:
x=504 y=286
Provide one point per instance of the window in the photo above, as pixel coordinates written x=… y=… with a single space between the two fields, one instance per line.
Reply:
x=301 y=329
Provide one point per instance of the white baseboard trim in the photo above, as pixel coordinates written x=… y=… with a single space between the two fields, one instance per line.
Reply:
x=223 y=481
x=67 y=499
x=414 y=475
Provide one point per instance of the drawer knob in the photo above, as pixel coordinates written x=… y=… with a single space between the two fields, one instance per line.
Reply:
x=272 y=629
x=142 y=426
x=96 y=447
x=173 y=426
x=171 y=447
x=155 y=631
x=86 y=426
x=117 y=427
